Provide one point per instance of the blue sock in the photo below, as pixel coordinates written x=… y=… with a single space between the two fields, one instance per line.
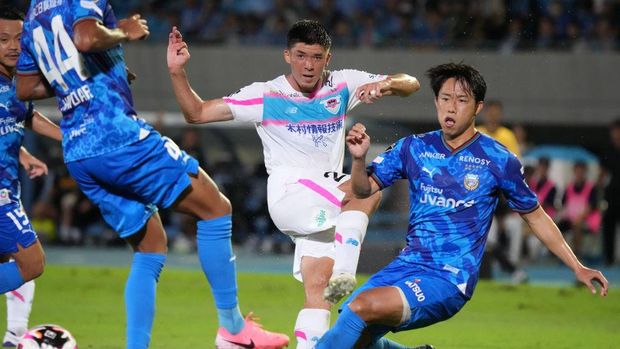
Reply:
x=384 y=343
x=345 y=333
x=10 y=278
x=218 y=264
x=140 y=297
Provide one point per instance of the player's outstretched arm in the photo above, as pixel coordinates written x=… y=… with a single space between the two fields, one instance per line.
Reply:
x=33 y=166
x=195 y=110
x=32 y=86
x=90 y=35
x=40 y=124
x=400 y=84
x=546 y=230
x=358 y=143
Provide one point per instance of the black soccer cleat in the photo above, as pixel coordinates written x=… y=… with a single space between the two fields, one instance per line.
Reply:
x=425 y=346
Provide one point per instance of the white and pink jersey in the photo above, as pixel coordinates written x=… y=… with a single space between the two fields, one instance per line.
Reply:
x=297 y=130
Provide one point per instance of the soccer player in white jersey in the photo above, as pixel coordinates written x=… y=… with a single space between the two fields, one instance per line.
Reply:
x=17 y=238
x=300 y=120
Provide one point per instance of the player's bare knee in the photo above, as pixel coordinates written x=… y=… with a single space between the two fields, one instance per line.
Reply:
x=366 y=307
x=225 y=207
x=214 y=209
x=33 y=268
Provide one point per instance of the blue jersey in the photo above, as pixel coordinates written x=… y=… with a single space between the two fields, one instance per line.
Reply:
x=452 y=193
x=13 y=114
x=91 y=88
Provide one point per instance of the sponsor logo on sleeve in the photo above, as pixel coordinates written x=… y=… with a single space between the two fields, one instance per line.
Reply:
x=417 y=290
x=5 y=198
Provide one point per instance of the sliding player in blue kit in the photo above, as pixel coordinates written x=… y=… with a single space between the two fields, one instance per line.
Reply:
x=72 y=49
x=455 y=175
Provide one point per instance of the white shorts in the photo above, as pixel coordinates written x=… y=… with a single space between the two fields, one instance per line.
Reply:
x=305 y=204
x=304 y=201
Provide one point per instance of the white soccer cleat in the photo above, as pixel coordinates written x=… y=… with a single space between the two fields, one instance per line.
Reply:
x=339 y=286
x=11 y=339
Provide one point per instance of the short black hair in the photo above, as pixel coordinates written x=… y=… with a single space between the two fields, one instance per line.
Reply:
x=615 y=123
x=11 y=13
x=465 y=74
x=309 y=32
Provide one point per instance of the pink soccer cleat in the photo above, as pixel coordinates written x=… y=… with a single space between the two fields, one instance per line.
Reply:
x=252 y=336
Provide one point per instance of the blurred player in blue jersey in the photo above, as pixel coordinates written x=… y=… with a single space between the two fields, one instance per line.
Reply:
x=455 y=175
x=17 y=239
x=72 y=49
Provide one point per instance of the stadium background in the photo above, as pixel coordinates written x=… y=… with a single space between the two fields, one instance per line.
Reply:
x=552 y=63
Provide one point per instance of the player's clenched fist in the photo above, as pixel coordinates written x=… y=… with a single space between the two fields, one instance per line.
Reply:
x=358 y=141
x=178 y=52
x=369 y=93
x=134 y=27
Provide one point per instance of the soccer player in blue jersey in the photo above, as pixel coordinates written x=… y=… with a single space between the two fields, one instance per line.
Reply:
x=455 y=175
x=17 y=238
x=72 y=49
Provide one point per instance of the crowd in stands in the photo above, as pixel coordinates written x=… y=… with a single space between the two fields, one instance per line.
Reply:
x=500 y=25
x=61 y=213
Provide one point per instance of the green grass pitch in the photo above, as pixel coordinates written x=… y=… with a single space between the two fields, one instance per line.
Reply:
x=89 y=302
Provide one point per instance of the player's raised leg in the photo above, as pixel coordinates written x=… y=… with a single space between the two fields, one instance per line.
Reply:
x=350 y=232
x=213 y=210
x=383 y=305
x=18 y=306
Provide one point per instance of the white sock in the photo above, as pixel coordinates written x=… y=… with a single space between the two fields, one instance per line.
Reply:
x=310 y=326
x=350 y=231
x=18 y=306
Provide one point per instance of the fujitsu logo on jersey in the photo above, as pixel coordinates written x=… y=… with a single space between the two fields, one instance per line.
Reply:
x=430 y=189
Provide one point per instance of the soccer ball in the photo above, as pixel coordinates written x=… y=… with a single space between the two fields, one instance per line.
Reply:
x=47 y=337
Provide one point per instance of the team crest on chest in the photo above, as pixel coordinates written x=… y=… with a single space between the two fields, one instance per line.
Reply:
x=332 y=104
x=471 y=181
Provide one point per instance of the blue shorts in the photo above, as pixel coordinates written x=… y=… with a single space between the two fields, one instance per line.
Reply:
x=431 y=298
x=130 y=183
x=15 y=229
